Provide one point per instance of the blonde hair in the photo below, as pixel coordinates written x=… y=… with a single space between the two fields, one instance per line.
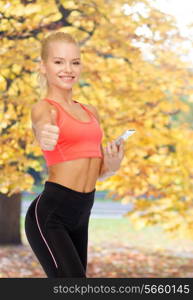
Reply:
x=44 y=52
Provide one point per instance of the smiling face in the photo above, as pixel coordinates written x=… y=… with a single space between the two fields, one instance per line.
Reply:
x=63 y=65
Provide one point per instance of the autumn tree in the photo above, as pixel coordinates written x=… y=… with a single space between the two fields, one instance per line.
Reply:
x=128 y=89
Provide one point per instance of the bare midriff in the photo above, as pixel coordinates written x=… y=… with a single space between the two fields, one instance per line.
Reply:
x=78 y=174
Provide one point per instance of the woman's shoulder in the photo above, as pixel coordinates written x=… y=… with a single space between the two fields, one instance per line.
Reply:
x=94 y=110
x=41 y=104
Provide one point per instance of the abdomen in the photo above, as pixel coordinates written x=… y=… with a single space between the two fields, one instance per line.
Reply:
x=78 y=174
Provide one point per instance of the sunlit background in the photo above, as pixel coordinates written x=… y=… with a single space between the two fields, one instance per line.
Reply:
x=182 y=11
x=149 y=92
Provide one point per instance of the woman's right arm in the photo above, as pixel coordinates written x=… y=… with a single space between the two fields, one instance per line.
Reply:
x=44 y=125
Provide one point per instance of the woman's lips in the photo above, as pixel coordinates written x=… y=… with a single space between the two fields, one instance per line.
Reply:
x=67 y=79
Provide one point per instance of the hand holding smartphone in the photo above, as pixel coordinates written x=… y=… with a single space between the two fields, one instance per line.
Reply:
x=124 y=136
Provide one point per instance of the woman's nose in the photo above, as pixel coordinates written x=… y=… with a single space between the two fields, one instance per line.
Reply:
x=68 y=68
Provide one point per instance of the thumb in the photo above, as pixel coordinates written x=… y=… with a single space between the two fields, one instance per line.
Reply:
x=53 y=117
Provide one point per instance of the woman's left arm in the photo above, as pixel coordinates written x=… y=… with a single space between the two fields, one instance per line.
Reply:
x=112 y=154
x=112 y=158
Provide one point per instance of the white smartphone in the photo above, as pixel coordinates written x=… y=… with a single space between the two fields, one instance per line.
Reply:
x=124 y=136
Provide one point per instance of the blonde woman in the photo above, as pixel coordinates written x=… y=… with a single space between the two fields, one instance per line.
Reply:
x=69 y=135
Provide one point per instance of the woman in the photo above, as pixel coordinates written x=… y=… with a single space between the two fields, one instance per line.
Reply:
x=69 y=135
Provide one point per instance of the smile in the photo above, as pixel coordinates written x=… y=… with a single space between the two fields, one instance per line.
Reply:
x=67 y=78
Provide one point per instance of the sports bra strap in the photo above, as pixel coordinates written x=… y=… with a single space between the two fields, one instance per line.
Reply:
x=88 y=110
x=60 y=106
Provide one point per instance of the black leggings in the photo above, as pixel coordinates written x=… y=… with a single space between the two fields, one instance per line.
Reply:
x=56 y=226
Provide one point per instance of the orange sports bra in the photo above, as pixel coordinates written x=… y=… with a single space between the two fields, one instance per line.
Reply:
x=77 y=139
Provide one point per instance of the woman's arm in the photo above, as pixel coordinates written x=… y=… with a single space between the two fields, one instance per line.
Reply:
x=109 y=164
x=112 y=158
x=95 y=112
x=105 y=173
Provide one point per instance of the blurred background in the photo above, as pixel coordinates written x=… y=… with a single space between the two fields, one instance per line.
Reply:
x=138 y=72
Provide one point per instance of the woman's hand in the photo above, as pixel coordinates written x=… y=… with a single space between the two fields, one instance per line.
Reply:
x=113 y=155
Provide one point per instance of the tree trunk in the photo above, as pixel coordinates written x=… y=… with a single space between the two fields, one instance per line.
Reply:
x=10 y=208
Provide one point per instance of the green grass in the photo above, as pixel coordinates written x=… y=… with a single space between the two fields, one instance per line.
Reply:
x=121 y=233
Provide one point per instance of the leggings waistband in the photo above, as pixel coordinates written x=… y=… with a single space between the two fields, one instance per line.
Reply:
x=67 y=189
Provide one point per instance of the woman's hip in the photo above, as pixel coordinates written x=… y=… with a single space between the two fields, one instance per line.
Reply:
x=61 y=204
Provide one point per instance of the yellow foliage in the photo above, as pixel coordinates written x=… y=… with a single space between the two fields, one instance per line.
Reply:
x=128 y=90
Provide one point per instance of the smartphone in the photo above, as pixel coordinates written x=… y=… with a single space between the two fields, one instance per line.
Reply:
x=124 y=136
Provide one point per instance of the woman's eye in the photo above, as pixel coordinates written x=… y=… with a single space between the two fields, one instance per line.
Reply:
x=76 y=63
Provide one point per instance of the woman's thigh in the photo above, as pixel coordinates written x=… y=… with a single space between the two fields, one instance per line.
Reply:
x=51 y=242
x=56 y=226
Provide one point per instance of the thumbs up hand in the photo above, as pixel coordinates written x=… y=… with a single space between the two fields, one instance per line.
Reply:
x=53 y=116
x=49 y=133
